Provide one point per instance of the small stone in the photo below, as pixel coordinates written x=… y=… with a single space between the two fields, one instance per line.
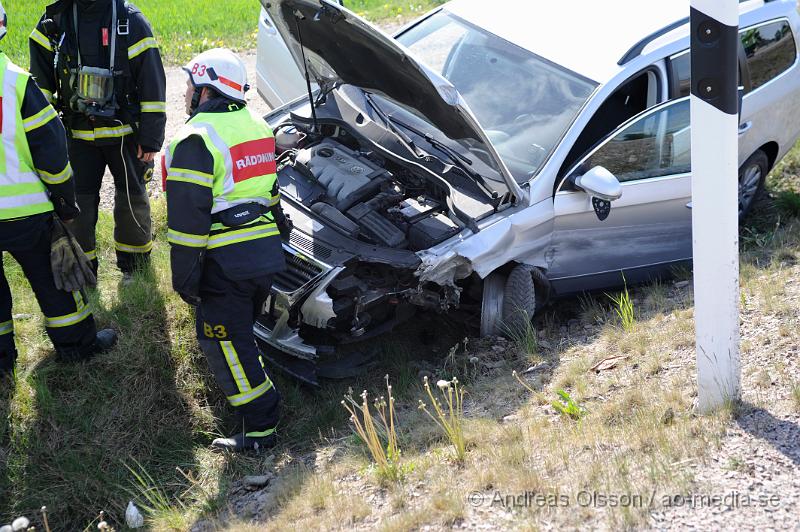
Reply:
x=498 y=349
x=681 y=284
x=257 y=481
x=541 y=366
x=668 y=417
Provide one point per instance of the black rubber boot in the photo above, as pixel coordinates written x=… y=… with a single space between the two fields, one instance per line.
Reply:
x=240 y=443
x=104 y=341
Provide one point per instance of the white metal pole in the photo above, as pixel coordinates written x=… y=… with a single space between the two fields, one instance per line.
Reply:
x=715 y=211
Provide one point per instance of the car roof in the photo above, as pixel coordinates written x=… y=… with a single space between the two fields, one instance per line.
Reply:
x=587 y=37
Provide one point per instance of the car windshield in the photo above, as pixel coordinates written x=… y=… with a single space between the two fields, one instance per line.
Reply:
x=523 y=102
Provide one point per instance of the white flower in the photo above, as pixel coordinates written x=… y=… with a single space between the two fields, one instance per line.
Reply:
x=20 y=523
x=133 y=517
x=6 y=528
x=443 y=384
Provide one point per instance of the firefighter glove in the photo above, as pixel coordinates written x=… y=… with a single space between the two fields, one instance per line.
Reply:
x=285 y=226
x=72 y=269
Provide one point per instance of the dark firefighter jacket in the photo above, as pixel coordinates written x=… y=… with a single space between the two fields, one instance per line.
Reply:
x=189 y=212
x=140 y=81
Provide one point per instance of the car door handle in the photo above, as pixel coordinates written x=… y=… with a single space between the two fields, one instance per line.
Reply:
x=269 y=27
x=744 y=128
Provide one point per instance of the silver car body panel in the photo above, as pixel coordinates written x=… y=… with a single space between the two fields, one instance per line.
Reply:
x=557 y=230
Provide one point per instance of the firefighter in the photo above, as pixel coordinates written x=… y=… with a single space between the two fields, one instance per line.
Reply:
x=110 y=86
x=224 y=217
x=35 y=180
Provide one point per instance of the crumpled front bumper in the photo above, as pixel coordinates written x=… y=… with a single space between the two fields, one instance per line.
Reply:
x=300 y=288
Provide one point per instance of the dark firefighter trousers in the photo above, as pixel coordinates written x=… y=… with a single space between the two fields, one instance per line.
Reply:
x=225 y=319
x=68 y=318
x=132 y=224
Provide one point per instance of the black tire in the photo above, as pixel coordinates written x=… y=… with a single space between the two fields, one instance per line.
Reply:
x=519 y=302
x=752 y=176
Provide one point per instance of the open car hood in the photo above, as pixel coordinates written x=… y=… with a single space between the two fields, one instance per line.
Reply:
x=339 y=46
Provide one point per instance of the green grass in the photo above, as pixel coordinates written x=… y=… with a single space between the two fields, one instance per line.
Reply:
x=387 y=9
x=185 y=28
x=135 y=423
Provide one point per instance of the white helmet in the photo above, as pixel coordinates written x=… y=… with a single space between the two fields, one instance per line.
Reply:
x=3 y=21
x=220 y=69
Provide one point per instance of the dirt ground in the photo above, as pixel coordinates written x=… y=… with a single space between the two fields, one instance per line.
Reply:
x=176 y=117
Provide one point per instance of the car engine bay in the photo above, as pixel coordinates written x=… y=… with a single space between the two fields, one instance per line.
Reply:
x=360 y=194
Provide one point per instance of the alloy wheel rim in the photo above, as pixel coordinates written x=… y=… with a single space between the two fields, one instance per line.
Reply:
x=748 y=186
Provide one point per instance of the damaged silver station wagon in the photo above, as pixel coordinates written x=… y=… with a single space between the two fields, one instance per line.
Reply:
x=493 y=156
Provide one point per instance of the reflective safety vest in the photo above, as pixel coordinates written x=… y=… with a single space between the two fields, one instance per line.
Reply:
x=243 y=148
x=22 y=193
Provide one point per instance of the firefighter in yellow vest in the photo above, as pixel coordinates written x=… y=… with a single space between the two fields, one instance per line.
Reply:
x=35 y=180
x=224 y=216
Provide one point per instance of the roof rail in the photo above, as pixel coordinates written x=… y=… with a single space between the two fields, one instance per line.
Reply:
x=636 y=50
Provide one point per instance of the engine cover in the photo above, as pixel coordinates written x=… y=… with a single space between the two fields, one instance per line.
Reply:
x=343 y=174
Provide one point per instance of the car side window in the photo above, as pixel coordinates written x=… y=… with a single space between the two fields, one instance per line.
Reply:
x=770 y=51
x=680 y=75
x=656 y=144
x=631 y=98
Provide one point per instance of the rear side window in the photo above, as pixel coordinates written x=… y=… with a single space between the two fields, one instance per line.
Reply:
x=770 y=51
x=680 y=75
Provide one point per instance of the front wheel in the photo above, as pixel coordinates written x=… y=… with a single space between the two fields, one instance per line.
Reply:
x=519 y=303
x=752 y=176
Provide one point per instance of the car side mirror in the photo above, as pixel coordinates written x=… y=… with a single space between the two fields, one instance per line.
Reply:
x=603 y=187
x=600 y=183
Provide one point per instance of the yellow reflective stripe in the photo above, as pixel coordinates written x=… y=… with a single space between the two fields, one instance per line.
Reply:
x=274 y=201
x=48 y=95
x=129 y=248
x=7 y=327
x=39 y=119
x=141 y=46
x=153 y=107
x=242 y=235
x=190 y=176
x=262 y=434
x=39 y=38
x=82 y=135
x=91 y=254
x=244 y=398
x=101 y=133
x=232 y=358
x=69 y=319
x=55 y=179
x=186 y=239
